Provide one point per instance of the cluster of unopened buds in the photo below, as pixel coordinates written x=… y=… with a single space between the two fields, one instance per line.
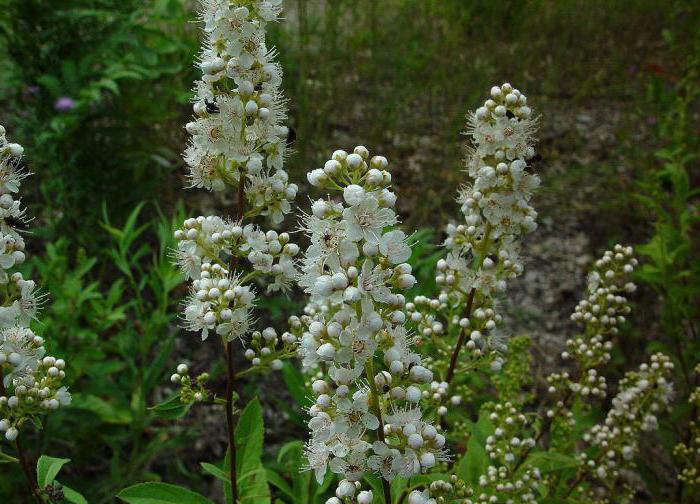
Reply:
x=350 y=492
x=506 y=447
x=642 y=395
x=191 y=391
x=33 y=383
x=601 y=312
x=442 y=491
x=268 y=349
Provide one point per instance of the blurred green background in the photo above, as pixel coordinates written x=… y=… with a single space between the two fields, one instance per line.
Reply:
x=98 y=92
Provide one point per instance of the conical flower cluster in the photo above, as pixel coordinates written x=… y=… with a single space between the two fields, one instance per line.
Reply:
x=238 y=141
x=238 y=134
x=482 y=252
x=367 y=415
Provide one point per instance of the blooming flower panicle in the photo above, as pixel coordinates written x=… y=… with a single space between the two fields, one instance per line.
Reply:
x=482 y=251
x=367 y=414
x=238 y=141
x=31 y=382
x=238 y=134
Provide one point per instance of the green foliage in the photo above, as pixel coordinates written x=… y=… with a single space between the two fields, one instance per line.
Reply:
x=115 y=327
x=125 y=64
x=516 y=373
x=160 y=493
x=670 y=197
x=252 y=481
x=47 y=468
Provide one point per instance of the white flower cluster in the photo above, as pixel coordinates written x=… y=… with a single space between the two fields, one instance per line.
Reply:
x=237 y=140
x=602 y=311
x=643 y=394
x=482 y=252
x=30 y=381
x=265 y=347
x=238 y=135
x=354 y=271
x=220 y=300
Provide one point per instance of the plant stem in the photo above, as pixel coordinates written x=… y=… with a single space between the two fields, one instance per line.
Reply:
x=230 y=375
x=545 y=429
x=21 y=456
x=374 y=403
x=230 y=371
x=462 y=337
x=478 y=262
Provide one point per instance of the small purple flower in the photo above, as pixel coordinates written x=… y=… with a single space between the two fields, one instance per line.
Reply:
x=64 y=104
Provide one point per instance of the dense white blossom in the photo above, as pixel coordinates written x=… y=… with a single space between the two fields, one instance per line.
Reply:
x=238 y=134
x=367 y=414
x=32 y=382
x=238 y=142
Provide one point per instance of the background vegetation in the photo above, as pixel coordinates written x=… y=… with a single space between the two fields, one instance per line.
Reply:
x=97 y=91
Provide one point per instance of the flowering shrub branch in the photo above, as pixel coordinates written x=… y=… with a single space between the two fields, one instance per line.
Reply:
x=238 y=142
x=31 y=382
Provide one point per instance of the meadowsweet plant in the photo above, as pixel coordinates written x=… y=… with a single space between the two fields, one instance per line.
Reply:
x=367 y=416
x=520 y=453
x=482 y=252
x=609 y=447
x=614 y=443
x=31 y=382
x=238 y=143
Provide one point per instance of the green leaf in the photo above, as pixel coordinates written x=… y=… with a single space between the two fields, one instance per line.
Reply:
x=108 y=413
x=47 y=468
x=252 y=481
x=171 y=409
x=294 y=380
x=280 y=483
x=72 y=496
x=215 y=471
x=475 y=462
x=551 y=461
x=160 y=493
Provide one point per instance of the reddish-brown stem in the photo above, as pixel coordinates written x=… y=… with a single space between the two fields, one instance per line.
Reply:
x=230 y=371
x=462 y=337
